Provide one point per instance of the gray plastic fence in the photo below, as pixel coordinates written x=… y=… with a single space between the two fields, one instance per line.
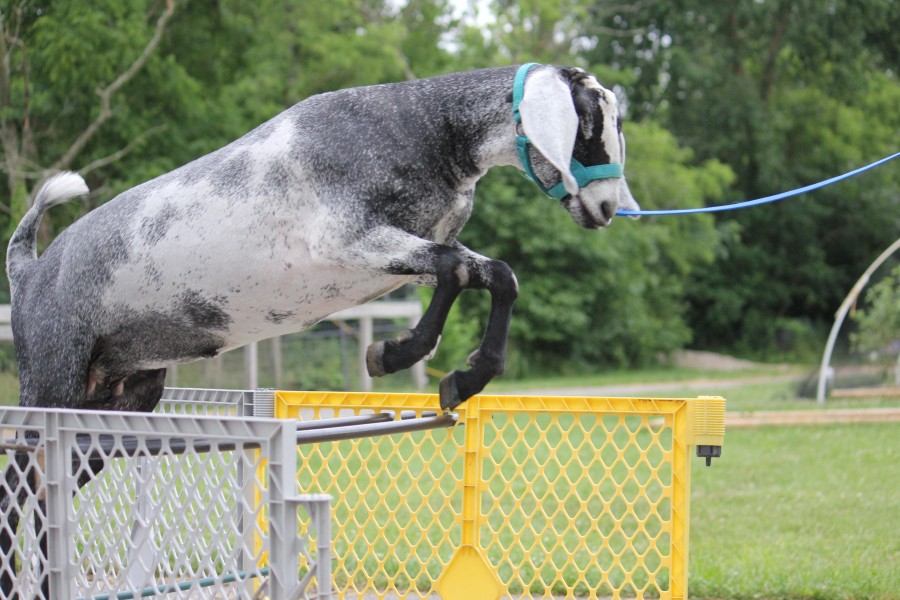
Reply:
x=173 y=504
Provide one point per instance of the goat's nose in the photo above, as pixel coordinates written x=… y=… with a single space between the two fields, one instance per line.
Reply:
x=608 y=209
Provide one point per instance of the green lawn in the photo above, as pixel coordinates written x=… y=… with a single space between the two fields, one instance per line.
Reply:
x=799 y=512
x=764 y=396
x=9 y=389
x=639 y=376
x=787 y=512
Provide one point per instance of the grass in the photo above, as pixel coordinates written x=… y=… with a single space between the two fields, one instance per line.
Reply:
x=787 y=512
x=638 y=376
x=9 y=389
x=799 y=512
x=766 y=396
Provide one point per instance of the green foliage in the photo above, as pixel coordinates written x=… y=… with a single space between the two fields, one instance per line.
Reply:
x=879 y=321
x=786 y=94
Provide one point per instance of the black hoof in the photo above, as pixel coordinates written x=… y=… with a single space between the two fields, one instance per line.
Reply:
x=375 y=360
x=449 y=393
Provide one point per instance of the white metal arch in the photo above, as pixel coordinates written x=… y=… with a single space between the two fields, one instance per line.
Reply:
x=841 y=314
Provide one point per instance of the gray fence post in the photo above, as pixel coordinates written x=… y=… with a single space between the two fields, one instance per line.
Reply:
x=283 y=560
x=58 y=496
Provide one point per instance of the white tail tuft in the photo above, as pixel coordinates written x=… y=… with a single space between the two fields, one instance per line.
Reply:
x=22 y=249
x=60 y=188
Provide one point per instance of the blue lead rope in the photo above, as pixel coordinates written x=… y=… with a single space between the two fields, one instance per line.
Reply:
x=766 y=200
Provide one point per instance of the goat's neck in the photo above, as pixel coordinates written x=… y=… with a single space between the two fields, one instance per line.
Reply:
x=483 y=118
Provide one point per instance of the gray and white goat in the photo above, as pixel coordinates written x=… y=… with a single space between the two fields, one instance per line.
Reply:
x=334 y=202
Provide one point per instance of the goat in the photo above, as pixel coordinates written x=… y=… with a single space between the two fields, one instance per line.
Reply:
x=339 y=199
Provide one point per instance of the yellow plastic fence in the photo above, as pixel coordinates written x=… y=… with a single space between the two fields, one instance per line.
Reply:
x=525 y=497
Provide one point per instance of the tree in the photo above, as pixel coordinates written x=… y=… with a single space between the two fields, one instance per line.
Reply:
x=786 y=94
x=122 y=92
x=68 y=74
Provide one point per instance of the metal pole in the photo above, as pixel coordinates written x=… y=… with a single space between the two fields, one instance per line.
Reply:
x=251 y=366
x=365 y=340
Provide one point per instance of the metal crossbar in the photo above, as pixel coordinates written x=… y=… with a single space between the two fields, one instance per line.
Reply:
x=310 y=432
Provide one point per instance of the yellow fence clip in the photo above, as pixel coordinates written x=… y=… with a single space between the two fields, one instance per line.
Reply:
x=706 y=426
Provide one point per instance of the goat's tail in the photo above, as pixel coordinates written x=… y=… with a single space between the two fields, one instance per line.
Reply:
x=22 y=249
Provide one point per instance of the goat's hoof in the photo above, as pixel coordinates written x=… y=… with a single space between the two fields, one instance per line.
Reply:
x=449 y=392
x=375 y=360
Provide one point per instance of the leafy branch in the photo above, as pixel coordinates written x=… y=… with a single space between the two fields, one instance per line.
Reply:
x=106 y=94
x=16 y=134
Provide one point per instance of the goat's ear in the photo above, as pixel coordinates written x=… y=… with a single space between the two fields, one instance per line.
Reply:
x=550 y=122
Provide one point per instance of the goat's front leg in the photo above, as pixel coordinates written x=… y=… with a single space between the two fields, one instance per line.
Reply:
x=489 y=359
x=448 y=267
x=453 y=269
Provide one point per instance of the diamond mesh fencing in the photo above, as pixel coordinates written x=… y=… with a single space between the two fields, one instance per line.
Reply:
x=526 y=497
x=122 y=505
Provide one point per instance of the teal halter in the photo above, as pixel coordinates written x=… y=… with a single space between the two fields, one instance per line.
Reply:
x=583 y=175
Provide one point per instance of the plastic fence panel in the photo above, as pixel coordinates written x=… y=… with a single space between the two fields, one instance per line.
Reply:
x=394 y=522
x=525 y=497
x=138 y=505
x=211 y=402
x=578 y=504
x=23 y=566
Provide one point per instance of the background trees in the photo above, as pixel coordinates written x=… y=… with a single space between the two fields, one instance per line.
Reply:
x=786 y=94
x=724 y=101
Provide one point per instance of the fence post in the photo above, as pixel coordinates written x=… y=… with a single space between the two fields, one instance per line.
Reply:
x=681 y=502
x=366 y=336
x=57 y=499
x=469 y=575
x=283 y=560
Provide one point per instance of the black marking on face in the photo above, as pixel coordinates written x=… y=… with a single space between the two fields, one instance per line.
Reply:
x=589 y=147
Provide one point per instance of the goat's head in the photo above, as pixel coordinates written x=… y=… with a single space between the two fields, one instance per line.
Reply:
x=566 y=114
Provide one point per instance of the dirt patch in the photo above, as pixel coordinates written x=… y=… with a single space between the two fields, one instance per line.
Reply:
x=711 y=361
x=735 y=420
